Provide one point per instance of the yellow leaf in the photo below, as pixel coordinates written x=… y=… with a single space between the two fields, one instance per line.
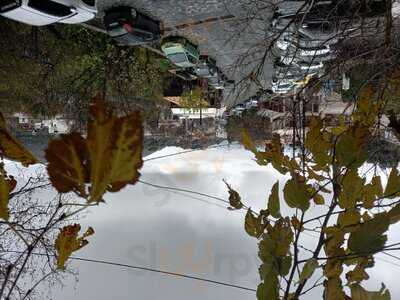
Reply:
x=107 y=160
x=359 y=293
x=12 y=149
x=352 y=187
x=253 y=225
x=317 y=142
x=68 y=242
x=7 y=185
x=297 y=194
x=318 y=199
x=247 y=142
x=393 y=185
x=334 y=289
x=308 y=269
x=273 y=201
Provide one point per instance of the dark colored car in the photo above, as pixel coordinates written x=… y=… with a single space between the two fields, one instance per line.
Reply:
x=130 y=27
x=206 y=67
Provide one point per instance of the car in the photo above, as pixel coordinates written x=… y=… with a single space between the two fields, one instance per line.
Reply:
x=130 y=27
x=238 y=109
x=282 y=88
x=45 y=12
x=251 y=103
x=180 y=51
x=310 y=67
x=206 y=67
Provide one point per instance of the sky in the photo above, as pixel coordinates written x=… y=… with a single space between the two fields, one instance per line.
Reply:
x=188 y=234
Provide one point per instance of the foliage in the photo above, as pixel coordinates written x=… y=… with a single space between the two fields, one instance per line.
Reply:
x=38 y=76
x=193 y=98
x=353 y=227
x=106 y=160
x=259 y=127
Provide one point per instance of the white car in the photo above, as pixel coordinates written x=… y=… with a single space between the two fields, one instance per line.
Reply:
x=282 y=86
x=45 y=12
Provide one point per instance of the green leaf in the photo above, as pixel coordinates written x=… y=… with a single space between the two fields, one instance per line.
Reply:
x=308 y=269
x=393 y=185
x=253 y=225
x=359 y=293
x=273 y=201
x=369 y=237
x=297 y=194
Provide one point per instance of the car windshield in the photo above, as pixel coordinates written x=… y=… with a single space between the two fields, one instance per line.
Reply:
x=50 y=7
x=178 y=57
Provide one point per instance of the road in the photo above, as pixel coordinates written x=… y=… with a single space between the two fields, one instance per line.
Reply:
x=226 y=40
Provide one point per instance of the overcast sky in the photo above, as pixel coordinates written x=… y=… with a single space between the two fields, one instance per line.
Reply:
x=154 y=228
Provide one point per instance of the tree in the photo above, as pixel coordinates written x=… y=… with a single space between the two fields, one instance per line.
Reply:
x=351 y=231
x=39 y=235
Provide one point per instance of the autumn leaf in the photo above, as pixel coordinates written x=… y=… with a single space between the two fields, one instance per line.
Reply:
x=115 y=151
x=11 y=148
x=7 y=185
x=352 y=187
x=68 y=242
x=297 y=194
x=393 y=185
x=350 y=148
x=370 y=237
x=253 y=225
x=308 y=269
x=107 y=160
x=317 y=142
x=234 y=198
x=68 y=164
x=273 y=201
x=247 y=142
x=359 y=293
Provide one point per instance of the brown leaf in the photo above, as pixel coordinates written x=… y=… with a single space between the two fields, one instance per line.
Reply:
x=67 y=166
x=107 y=160
x=11 y=148
x=7 y=185
x=68 y=242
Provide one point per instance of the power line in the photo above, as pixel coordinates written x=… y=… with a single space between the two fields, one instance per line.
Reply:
x=184 y=190
x=111 y=263
x=186 y=151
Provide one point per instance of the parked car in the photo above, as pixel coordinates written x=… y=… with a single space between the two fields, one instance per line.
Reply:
x=206 y=67
x=45 y=12
x=251 y=103
x=130 y=27
x=238 y=109
x=180 y=51
x=282 y=88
